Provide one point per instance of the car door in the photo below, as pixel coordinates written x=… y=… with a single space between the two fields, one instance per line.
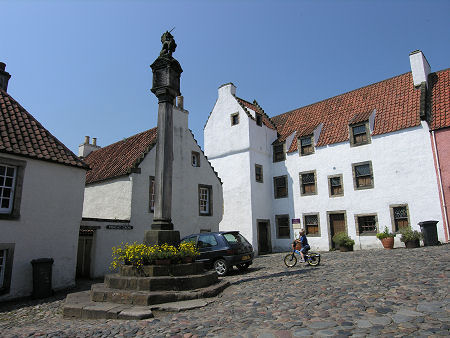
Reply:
x=207 y=245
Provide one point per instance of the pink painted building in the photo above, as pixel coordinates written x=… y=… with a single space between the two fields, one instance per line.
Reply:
x=439 y=107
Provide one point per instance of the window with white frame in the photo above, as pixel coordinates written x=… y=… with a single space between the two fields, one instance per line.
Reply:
x=204 y=200
x=7 y=183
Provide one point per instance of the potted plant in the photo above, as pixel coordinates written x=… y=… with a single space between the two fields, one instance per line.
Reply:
x=386 y=238
x=344 y=242
x=410 y=237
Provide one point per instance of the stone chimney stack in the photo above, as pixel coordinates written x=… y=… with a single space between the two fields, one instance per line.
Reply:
x=86 y=148
x=4 y=77
x=227 y=89
x=420 y=68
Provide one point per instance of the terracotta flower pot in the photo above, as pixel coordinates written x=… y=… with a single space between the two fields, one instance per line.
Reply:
x=388 y=242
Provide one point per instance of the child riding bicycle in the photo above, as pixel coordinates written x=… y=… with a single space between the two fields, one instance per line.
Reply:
x=303 y=242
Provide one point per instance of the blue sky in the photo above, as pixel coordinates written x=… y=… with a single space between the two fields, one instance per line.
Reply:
x=82 y=67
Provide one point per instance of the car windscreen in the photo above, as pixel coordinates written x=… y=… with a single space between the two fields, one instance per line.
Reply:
x=234 y=238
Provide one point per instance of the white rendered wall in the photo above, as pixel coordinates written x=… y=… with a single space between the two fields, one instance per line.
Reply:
x=403 y=174
x=227 y=148
x=131 y=195
x=110 y=199
x=50 y=215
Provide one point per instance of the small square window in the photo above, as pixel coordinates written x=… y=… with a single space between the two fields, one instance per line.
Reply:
x=367 y=224
x=312 y=224
x=258 y=119
x=278 y=153
x=195 y=159
x=283 y=226
x=306 y=145
x=235 y=119
x=280 y=186
x=363 y=175
x=259 y=173
x=308 y=183
x=335 y=186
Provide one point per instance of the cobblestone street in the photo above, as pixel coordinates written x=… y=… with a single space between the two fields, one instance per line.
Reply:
x=400 y=292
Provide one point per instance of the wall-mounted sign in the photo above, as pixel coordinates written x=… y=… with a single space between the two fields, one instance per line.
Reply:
x=119 y=227
x=296 y=221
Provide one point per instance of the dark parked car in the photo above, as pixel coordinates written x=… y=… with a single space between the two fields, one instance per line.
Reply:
x=222 y=250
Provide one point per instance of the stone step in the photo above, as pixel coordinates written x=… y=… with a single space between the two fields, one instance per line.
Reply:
x=101 y=293
x=79 y=305
x=161 y=283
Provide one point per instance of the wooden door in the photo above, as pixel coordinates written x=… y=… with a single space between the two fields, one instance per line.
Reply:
x=263 y=237
x=337 y=224
x=84 y=256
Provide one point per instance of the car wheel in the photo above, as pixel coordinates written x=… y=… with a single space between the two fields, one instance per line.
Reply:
x=243 y=266
x=221 y=267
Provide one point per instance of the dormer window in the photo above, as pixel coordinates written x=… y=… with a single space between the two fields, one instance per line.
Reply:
x=234 y=119
x=359 y=134
x=278 y=152
x=306 y=145
x=258 y=119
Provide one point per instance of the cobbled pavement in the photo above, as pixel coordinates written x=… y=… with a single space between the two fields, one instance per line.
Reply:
x=388 y=293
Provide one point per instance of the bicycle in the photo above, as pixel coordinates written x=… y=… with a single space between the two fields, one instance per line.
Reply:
x=312 y=258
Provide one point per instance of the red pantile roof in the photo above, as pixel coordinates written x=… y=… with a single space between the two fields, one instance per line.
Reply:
x=21 y=134
x=439 y=83
x=396 y=101
x=119 y=158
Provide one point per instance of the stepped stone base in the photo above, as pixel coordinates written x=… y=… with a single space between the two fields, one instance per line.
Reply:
x=133 y=293
x=80 y=305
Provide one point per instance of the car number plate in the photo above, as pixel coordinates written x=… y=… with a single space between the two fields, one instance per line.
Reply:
x=244 y=258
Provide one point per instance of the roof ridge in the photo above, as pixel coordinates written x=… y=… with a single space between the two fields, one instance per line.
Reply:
x=125 y=139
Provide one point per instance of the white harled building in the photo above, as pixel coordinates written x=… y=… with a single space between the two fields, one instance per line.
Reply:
x=357 y=162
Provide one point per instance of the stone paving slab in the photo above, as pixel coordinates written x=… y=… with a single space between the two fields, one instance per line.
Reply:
x=368 y=293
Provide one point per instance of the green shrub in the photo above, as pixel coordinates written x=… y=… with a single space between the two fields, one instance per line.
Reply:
x=385 y=234
x=408 y=234
x=342 y=239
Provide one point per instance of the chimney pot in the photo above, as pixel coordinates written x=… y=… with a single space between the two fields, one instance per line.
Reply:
x=94 y=141
x=86 y=140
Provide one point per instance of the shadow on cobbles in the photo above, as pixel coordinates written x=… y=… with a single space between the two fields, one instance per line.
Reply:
x=80 y=285
x=278 y=274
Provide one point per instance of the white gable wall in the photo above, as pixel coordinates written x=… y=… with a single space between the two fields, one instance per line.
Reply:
x=50 y=215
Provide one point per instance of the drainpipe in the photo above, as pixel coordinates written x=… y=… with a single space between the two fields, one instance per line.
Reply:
x=441 y=190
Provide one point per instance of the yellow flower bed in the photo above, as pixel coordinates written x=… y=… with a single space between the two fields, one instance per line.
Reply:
x=140 y=254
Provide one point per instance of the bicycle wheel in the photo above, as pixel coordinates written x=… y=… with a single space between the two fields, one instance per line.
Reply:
x=290 y=260
x=314 y=259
